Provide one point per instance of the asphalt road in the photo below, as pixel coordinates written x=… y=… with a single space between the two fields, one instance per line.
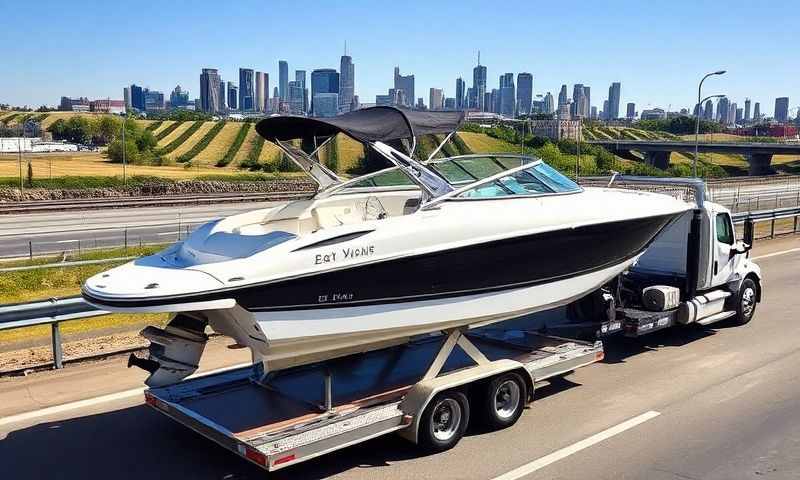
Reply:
x=692 y=403
x=59 y=231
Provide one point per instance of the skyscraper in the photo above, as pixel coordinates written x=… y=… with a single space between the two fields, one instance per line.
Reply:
x=460 y=87
x=524 y=93
x=732 y=113
x=549 y=107
x=126 y=96
x=479 y=86
x=436 y=99
x=347 y=79
x=631 y=113
x=708 y=111
x=233 y=97
x=283 y=79
x=297 y=97
x=179 y=97
x=757 y=112
x=260 y=92
x=324 y=80
x=324 y=104
x=137 y=97
x=580 y=104
x=406 y=84
x=562 y=95
x=782 y=109
x=210 y=86
x=507 y=99
x=614 y=94
x=722 y=110
x=246 y=90
x=300 y=78
x=746 y=110
x=587 y=94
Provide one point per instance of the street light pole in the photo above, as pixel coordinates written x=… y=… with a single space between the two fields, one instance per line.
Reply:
x=697 y=119
x=124 y=166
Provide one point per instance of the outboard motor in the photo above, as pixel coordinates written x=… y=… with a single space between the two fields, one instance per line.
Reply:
x=174 y=351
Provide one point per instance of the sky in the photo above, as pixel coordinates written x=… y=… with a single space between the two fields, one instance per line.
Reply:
x=658 y=49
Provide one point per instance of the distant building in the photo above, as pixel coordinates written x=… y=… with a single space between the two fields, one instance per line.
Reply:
x=436 y=99
x=246 y=90
x=723 y=104
x=283 y=79
x=300 y=78
x=324 y=80
x=757 y=112
x=631 y=113
x=449 y=103
x=210 y=86
x=549 y=105
x=275 y=101
x=746 y=110
x=604 y=115
x=782 y=109
x=420 y=104
x=461 y=86
x=325 y=104
x=562 y=95
x=126 y=96
x=479 y=87
x=233 y=94
x=708 y=111
x=383 y=100
x=580 y=104
x=107 y=106
x=556 y=129
x=739 y=116
x=564 y=111
x=653 y=114
x=593 y=113
x=297 y=98
x=347 y=81
x=506 y=102
x=398 y=98
x=79 y=104
x=406 y=84
x=153 y=100
x=614 y=95
x=524 y=93
x=137 y=97
x=178 y=98
x=260 y=92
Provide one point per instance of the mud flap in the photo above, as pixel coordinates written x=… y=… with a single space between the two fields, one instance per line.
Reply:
x=174 y=351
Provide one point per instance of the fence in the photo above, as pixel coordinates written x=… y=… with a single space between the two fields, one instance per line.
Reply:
x=56 y=310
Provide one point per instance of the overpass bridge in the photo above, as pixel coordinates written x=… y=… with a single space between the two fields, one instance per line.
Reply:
x=656 y=153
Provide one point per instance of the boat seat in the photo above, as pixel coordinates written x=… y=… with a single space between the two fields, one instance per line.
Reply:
x=234 y=245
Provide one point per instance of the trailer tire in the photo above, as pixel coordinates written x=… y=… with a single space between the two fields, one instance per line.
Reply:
x=503 y=399
x=444 y=421
x=746 y=302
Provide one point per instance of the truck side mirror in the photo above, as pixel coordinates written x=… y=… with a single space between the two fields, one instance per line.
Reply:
x=748 y=234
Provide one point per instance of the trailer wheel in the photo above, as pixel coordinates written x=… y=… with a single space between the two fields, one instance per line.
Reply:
x=746 y=304
x=444 y=421
x=503 y=400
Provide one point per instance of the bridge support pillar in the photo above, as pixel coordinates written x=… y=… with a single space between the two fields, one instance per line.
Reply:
x=657 y=159
x=760 y=163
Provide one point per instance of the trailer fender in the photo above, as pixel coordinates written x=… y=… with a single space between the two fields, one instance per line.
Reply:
x=417 y=399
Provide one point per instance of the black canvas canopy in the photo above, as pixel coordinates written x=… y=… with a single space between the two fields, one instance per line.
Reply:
x=373 y=124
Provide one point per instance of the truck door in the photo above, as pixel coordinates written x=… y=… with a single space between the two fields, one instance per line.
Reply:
x=723 y=266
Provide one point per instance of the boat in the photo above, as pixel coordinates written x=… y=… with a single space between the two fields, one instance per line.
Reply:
x=420 y=246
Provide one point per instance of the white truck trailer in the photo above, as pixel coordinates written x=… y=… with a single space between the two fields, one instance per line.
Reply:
x=430 y=389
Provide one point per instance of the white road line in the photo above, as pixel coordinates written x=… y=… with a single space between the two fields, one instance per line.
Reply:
x=535 y=465
x=56 y=409
x=775 y=254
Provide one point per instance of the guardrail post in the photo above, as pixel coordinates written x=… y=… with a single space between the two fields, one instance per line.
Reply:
x=58 y=354
x=794 y=230
x=126 y=239
x=772 y=228
x=30 y=249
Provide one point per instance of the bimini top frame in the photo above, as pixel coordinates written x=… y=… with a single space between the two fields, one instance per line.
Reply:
x=374 y=127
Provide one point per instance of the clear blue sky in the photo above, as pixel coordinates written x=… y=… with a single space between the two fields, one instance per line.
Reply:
x=85 y=48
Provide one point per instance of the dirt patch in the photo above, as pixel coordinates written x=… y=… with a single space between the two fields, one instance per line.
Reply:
x=33 y=357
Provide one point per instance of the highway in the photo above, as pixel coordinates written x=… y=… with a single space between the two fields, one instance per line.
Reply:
x=55 y=232
x=693 y=403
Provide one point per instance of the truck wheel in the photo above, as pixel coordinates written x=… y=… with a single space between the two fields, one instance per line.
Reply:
x=746 y=305
x=503 y=400
x=444 y=421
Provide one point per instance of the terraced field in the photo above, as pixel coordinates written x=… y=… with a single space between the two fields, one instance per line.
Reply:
x=182 y=127
x=189 y=142
x=244 y=151
x=164 y=125
x=219 y=145
x=478 y=142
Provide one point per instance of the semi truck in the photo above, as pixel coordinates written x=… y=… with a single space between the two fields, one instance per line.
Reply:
x=431 y=388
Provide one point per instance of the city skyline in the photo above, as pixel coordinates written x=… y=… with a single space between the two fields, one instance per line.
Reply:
x=659 y=70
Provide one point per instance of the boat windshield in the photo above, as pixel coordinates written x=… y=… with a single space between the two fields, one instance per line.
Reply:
x=538 y=179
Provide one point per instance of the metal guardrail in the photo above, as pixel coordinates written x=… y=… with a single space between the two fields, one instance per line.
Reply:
x=48 y=312
x=56 y=310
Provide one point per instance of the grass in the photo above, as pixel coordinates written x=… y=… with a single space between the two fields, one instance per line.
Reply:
x=202 y=143
x=183 y=142
x=55 y=116
x=163 y=126
x=480 y=143
x=250 y=140
x=172 y=133
x=219 y=145
x=236 y=145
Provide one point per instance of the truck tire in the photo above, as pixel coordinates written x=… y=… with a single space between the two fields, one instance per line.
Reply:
x=502 y=400
x=746 y=302
x=444 y=421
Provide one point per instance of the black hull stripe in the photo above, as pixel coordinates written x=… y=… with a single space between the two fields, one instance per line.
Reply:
x=482 y=268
